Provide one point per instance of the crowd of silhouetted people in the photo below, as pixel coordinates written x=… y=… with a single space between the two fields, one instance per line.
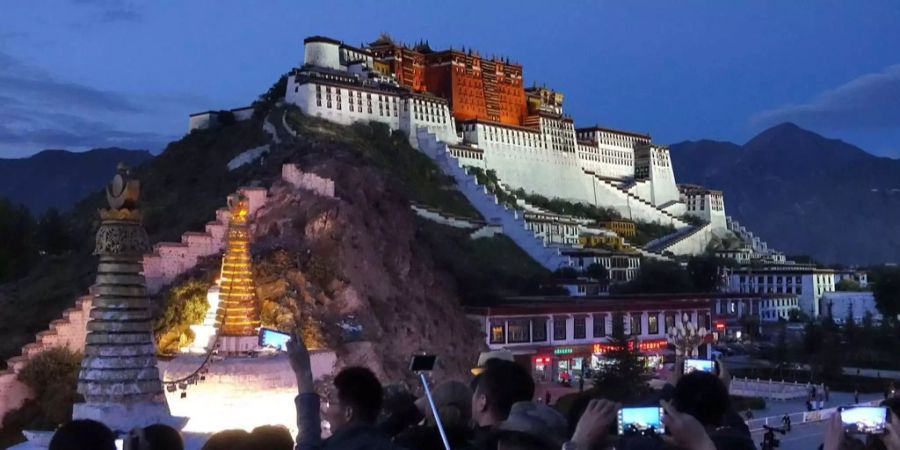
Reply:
x=495 y=410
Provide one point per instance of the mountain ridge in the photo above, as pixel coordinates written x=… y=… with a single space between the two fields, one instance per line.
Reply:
x=798 y=191
x=56 y=178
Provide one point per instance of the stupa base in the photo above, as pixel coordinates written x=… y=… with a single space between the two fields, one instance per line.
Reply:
x=122 y=418
x=236 y=345
x=240 y=391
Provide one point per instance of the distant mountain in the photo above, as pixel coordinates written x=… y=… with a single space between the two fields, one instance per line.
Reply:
x=803 y=193
x=59 y=178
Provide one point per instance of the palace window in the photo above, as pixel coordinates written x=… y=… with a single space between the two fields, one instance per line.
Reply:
x=498 y=335
x=539 y=330
x=579 y=331
x=518 y=331
x=653 y=324
x=599 y=325
x=559 y=329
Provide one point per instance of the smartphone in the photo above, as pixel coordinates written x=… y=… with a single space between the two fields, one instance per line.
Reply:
x=273 y=339
x=864 y=419
x=422 y=363
x=642 y=421
x=702 y=365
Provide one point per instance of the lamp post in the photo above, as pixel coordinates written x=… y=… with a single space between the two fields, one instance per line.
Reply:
x=686 y=337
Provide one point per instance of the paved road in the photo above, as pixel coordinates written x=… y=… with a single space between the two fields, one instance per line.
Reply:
x=806 y=436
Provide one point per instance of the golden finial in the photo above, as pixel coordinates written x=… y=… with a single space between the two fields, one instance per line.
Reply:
x=122 y=195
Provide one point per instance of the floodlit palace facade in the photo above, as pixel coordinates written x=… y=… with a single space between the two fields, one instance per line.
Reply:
x=481 y=110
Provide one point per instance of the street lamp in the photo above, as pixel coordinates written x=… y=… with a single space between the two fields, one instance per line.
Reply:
x=686 y=337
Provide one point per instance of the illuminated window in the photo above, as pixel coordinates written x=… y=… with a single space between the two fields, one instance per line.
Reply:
x=497 y=333
x=518 y=331
x=653 y=324
x=636 y=324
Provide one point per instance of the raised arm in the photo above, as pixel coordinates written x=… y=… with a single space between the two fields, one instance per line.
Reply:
x=309 y=421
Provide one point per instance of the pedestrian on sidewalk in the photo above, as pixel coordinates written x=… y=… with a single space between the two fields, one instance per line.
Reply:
x=856 y=396
x=827 y=392
x=581 y=384
x=547 y=398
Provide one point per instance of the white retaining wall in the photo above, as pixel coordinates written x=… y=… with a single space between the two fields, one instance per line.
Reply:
x=511 y=221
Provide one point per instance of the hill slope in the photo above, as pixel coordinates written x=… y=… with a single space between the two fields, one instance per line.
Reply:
x=397 y=263
x=803 y=193
x=59 y=178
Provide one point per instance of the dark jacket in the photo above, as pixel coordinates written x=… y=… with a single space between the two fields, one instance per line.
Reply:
x=484 y=438
x=429 y=438
x=352 y=437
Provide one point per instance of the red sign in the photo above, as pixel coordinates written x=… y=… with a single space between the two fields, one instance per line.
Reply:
x=720 y=325
x=650 y=345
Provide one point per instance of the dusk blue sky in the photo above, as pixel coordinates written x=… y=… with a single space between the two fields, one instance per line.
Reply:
x=79 y=74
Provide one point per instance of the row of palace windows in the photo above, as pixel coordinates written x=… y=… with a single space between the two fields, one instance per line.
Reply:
x=525 y=330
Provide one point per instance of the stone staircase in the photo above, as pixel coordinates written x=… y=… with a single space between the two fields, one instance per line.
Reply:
x=747 y=236
x=667 y=242
x=67 y=331
x=510 y=220
x=664 y=216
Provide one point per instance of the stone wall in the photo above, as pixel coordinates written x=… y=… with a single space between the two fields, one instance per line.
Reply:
x=309 y=181
x=510 y=220
x=68 y=331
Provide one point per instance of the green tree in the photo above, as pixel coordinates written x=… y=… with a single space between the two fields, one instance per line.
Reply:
x=703 y=271
x=597 y=272
x=623 y=376
x=52 y=235
x=847 y=284
x=797 y=315
x=52 y=377
x=658 y=277
x=17 y=246
x=886 y=290
x=184 y=305
x=781 y=351
x=851 y=331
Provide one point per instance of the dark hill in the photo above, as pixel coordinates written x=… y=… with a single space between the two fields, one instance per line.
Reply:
x=803 y=193
x=59 y=178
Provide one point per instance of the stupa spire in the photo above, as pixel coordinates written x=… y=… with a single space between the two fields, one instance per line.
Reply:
x=238 y=314
x=119 y=378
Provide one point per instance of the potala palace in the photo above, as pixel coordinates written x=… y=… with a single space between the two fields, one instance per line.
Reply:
x=479 y=111
x=472 y=114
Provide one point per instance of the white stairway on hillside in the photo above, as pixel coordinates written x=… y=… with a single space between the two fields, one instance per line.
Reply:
x=510 y=220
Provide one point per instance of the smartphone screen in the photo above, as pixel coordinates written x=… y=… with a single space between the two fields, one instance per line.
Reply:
x=273 y=339
x=702 y=365
x=422 y=363
x=864 y=419
x=645 y=420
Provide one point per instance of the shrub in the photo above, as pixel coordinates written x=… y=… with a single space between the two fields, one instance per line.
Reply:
x=52 y=376
x=184 y=305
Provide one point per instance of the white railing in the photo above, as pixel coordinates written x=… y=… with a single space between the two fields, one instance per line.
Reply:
x=771 y=389
x=798 y=417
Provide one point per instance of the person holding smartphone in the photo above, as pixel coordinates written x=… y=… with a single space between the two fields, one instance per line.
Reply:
x=351 y=410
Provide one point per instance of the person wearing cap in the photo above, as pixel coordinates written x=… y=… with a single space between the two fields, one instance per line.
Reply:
x=484 y=357
x=453 y=401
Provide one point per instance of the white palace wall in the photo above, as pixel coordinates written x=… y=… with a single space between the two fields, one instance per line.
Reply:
x=167 y=262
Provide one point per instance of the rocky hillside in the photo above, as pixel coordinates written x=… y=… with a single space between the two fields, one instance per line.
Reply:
x=59 y=178
x=803 y=193
x=360 y=273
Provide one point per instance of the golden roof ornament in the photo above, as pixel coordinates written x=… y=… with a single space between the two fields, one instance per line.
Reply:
x=122 y=196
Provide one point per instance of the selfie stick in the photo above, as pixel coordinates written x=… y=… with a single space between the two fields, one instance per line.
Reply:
x=434 y=410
